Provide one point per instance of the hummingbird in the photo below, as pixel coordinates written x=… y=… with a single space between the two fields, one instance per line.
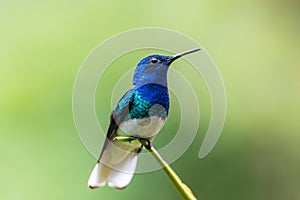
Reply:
x=140 y=114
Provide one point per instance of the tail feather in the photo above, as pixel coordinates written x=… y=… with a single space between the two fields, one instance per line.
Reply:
x=121 y=176
x=99 y=176
x=117 y=176
x=116 y=166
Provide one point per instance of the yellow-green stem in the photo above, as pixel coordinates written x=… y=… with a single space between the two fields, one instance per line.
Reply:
x=184 y=190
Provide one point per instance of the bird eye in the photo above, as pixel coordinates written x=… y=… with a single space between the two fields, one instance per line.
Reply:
x=154 y=61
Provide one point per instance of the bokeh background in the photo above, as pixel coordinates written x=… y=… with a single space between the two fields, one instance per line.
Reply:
x=254 y=43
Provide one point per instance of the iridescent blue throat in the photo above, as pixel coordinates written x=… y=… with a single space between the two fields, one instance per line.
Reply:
x=150 y=100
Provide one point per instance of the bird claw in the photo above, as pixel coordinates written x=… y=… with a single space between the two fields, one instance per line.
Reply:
x=149 y=144
x=146 y=143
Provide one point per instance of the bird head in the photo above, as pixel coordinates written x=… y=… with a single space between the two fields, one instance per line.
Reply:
x=154 y=68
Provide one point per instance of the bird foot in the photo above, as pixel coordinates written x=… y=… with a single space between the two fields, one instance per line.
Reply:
x=146 y=143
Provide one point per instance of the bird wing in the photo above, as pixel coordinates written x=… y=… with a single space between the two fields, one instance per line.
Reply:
x=118 y=115
x=116 y=174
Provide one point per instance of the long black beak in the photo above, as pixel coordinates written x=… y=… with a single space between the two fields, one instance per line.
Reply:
x=176 y=56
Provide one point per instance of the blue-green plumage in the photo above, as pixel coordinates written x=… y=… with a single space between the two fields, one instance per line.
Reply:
x=139 y=102
x=141 y=113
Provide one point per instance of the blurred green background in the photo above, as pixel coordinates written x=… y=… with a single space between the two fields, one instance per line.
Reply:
x=255 y=44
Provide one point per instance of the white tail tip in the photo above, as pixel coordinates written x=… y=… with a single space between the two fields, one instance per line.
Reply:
x=118 y=178
x=95 y=179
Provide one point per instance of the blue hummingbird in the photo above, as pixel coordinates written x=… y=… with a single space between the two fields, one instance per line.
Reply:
x=140 y=113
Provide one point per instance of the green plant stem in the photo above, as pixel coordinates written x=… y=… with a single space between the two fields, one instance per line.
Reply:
x=184 y=190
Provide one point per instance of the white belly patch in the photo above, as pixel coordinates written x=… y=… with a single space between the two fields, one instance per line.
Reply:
x=144 y=128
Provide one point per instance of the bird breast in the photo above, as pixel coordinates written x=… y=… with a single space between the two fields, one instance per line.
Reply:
x=143 y=128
